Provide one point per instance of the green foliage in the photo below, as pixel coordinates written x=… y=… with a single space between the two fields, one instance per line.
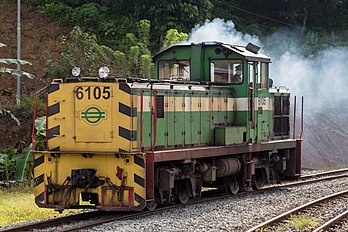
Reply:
x=57 y=10
x=135 y=57
x=79 y=49
x=24 y=164
x=19 y=166
x=303 y=222
x=7 y=164
x=25 y=110
x=82 y=50
x=112 y=20
x=181 y=14
x=11 y=71
x=40 y=133
x=24 y=160
x=174 y=37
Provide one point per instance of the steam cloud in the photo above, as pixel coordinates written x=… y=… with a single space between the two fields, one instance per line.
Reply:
x=321 y=79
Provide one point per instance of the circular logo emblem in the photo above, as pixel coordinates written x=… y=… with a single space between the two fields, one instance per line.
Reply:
x=93 y=115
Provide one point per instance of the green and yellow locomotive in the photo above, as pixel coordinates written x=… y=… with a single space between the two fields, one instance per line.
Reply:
x=209 y=117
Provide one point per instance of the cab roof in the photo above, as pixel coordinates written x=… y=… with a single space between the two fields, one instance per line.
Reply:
x=250 y=52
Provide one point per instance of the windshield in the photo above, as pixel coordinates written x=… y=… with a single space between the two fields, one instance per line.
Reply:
x=174 y=70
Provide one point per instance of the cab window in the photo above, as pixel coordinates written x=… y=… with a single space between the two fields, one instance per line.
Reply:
x=226 y=71
x=174 y=70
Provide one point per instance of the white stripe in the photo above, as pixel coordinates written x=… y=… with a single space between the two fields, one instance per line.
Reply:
x=207 y=104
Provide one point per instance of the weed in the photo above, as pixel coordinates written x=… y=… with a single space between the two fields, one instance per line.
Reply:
x=303 y=222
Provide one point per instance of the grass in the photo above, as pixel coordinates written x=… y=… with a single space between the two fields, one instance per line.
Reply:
x=303 y=222
x=17 y=205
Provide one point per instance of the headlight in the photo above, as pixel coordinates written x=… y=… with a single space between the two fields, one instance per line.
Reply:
x=76 y=71
x=103 y=72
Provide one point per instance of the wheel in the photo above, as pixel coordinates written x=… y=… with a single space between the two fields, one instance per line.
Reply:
x=183 y=197
x=182 y=191
x=234 y=185
x=258 y=180
x=231 y=184
x=151 y=205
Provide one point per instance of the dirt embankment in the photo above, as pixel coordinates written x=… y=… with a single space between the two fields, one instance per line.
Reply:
x=39 y=40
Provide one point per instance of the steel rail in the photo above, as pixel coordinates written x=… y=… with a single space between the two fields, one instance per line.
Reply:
x=88 y=215
x=295 y=210
x=326 y=226
x=324 y=173
x=56 y=221
x=194 y=202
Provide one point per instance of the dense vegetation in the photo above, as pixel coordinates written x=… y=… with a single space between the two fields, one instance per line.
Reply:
x=317 y=23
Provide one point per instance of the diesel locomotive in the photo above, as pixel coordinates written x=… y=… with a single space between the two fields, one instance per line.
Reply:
x=209 y=117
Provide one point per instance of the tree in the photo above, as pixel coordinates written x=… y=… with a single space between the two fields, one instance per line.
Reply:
x=181 y=14
x=174 y=37
x=135 y=56
x=80 y=49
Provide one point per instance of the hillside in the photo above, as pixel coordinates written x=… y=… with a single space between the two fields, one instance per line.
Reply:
x=39 y=41
x=326 y=138
x=325 y=135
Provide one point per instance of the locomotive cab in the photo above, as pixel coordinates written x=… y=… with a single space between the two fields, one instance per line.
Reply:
x=235 y=78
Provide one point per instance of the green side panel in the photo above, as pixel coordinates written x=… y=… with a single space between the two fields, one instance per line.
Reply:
x=161 y=132
x=147 y=132
x=196 y=63
x=222 y=111
x=214 y=105
x=229 y=117
x=188 y=119
x=205 y=127
x=179 y=128
x=161 y=125
x=229 y=135
x=205 y=120
x=179 y=119
x=196 y=122
x=171 y=128
x=264 y=125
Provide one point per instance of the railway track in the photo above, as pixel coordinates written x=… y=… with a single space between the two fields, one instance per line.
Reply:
x=307 y=210
x=332 y=222
x=98 y=217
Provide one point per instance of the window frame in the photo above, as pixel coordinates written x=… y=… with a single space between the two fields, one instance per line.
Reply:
x=229 y=81
x=174 y=61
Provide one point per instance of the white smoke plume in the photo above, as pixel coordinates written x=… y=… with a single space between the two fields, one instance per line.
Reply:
x=220 y=31
x=322 y=79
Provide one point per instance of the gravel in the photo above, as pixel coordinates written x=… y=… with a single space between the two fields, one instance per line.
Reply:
x=237 y=213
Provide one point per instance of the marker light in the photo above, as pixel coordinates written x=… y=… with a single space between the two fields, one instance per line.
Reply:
x=76 y=71
x=103 y=72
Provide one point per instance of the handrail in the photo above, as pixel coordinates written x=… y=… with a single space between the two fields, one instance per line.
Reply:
x=302 y=118
x=154 y=120
x=141 y=120
x=294 y=129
